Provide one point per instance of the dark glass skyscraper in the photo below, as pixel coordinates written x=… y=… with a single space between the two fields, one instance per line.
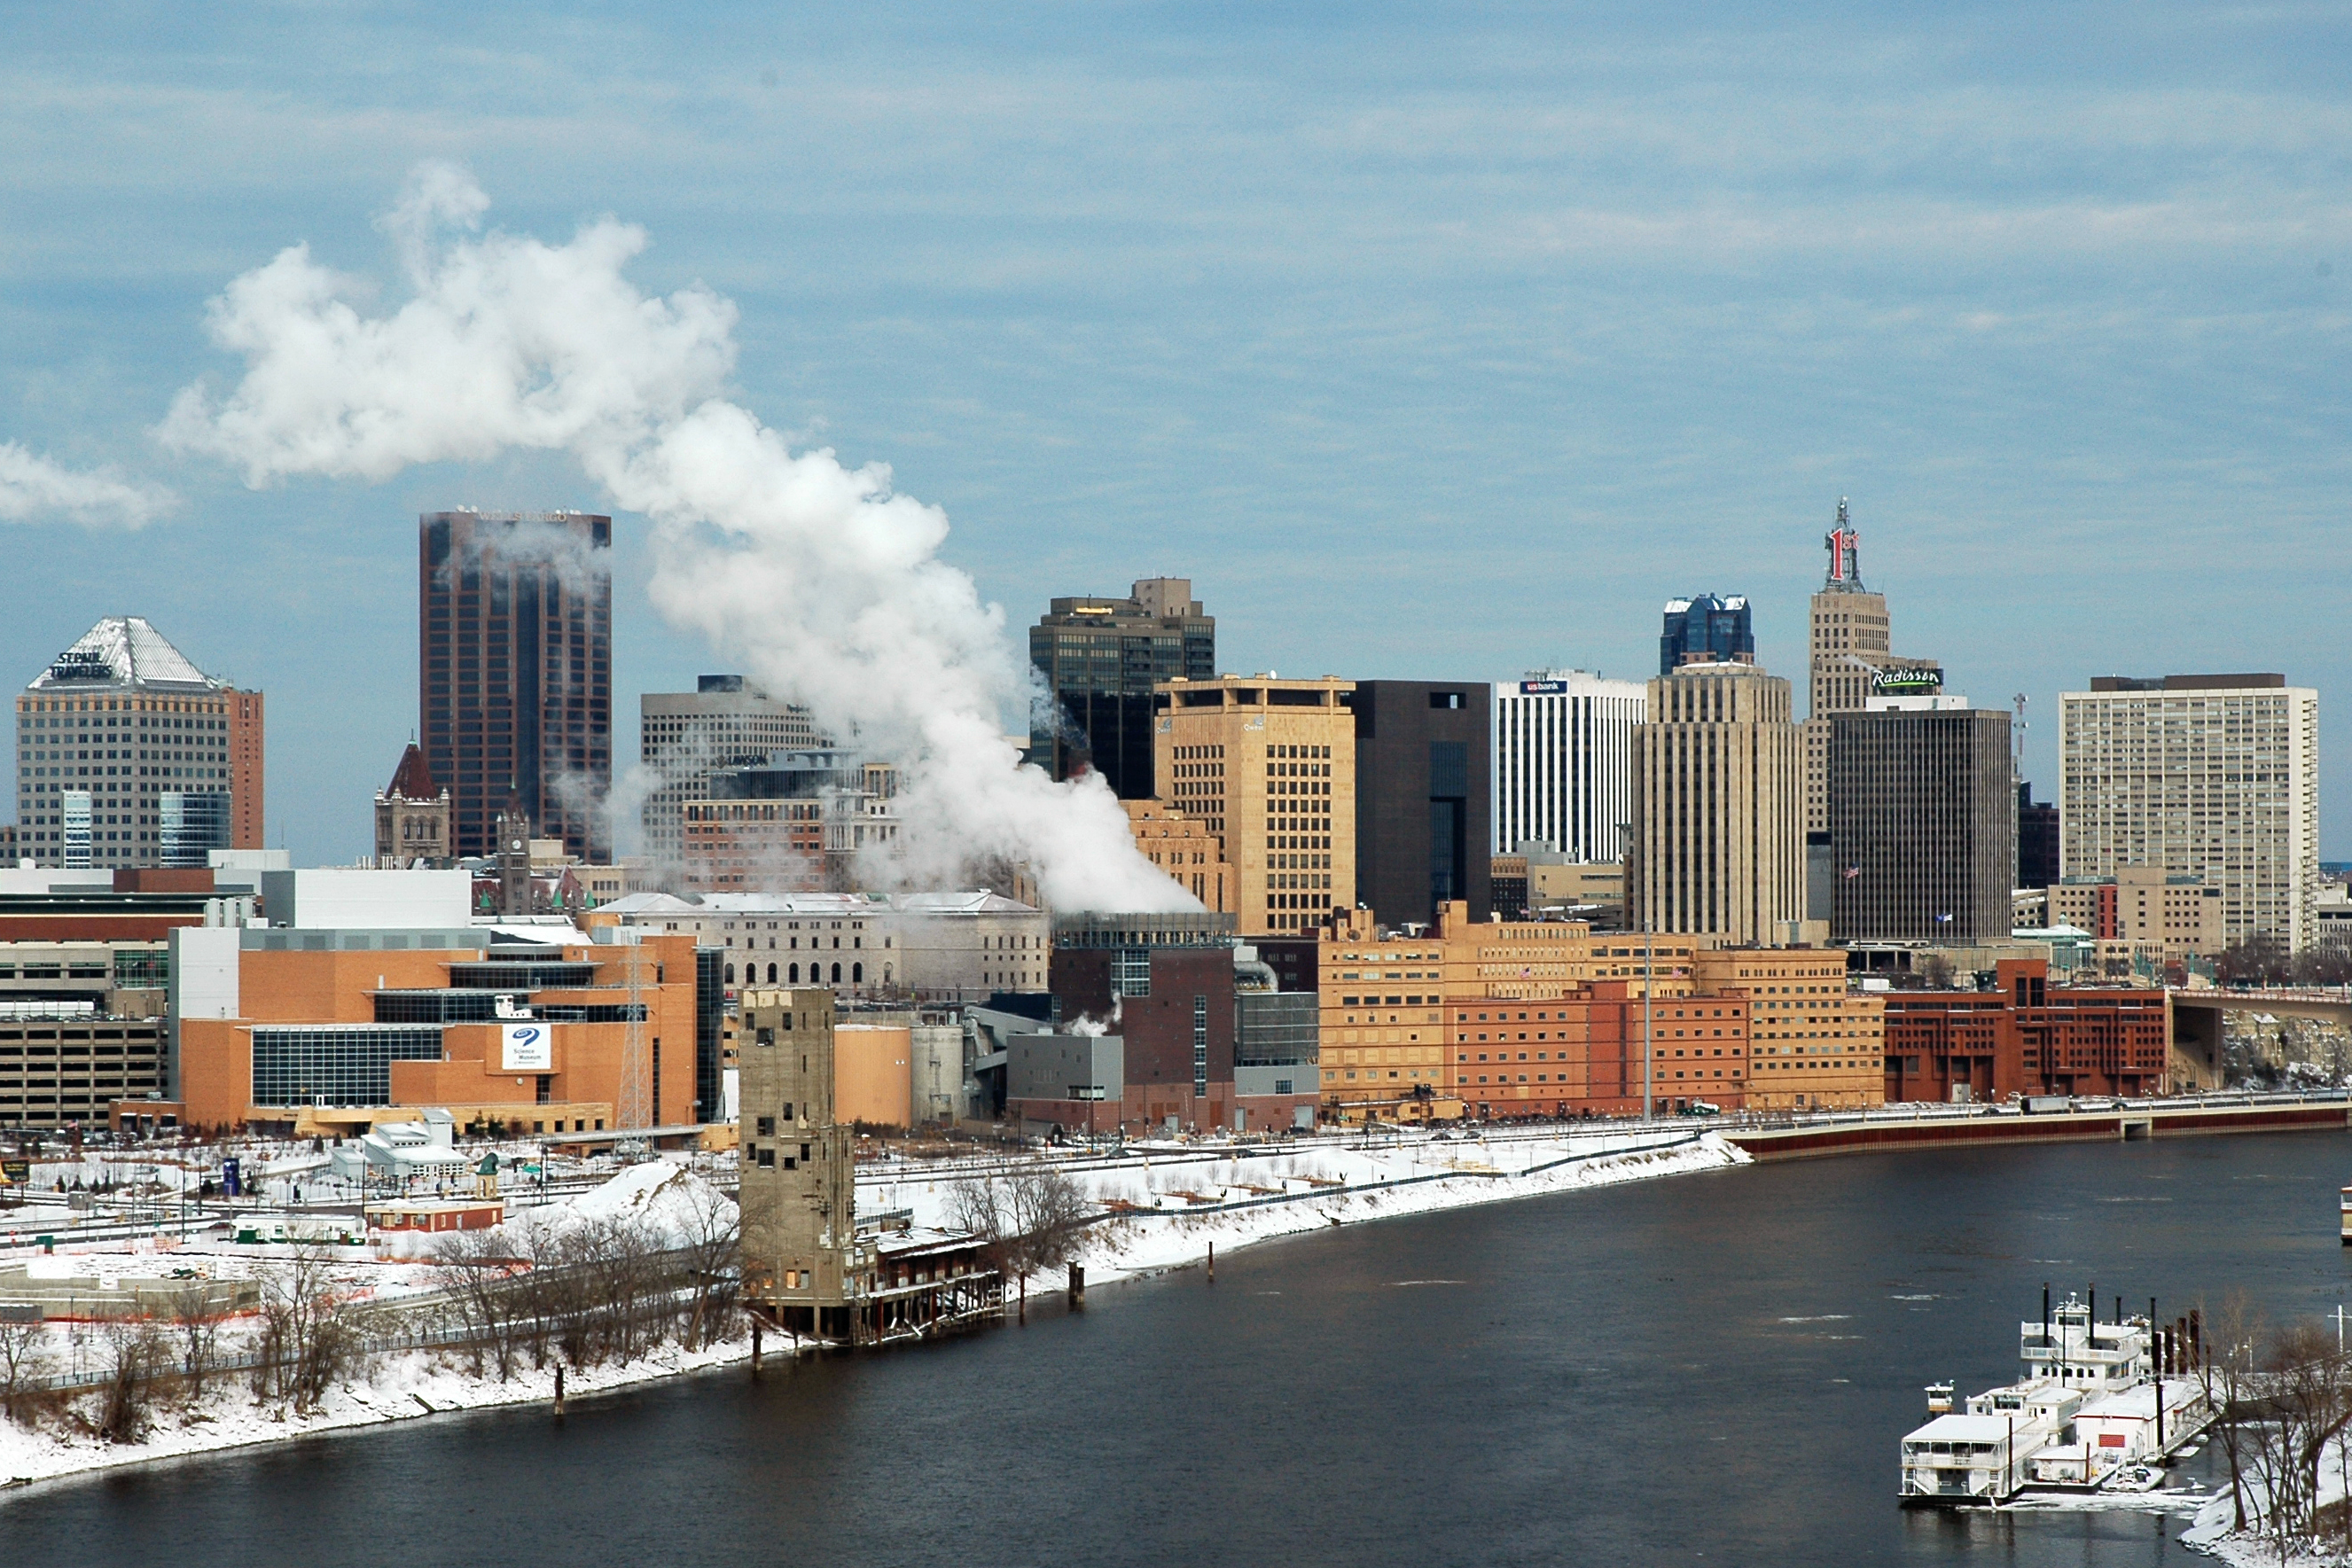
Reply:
x=514 y=671
x=1706 y=628
x=1424 y=803
x=1099 y=658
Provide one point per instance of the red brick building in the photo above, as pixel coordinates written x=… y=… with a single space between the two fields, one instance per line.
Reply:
x=2028 y=1037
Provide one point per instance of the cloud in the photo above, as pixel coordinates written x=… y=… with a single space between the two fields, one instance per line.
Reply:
x=820 y=579
x=33 y=487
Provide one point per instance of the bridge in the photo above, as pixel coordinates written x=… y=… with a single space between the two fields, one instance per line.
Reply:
x=2193 y=1021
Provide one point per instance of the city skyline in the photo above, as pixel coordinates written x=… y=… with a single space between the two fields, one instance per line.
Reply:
x=2060 y=328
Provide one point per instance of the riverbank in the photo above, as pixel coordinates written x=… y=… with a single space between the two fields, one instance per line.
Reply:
x=1342 y=1186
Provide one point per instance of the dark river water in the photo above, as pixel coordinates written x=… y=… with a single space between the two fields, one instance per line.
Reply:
x=1710 y=1368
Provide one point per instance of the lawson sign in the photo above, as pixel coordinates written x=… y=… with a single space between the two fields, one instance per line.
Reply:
x=526 y=1048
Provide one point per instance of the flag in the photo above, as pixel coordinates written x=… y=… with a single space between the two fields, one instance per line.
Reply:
x=1851 y=871
x=1944 y=918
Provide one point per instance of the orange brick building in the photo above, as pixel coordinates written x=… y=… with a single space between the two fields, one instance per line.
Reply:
x=274 y=1032
x=1547 y=1018
x=2026 y=1037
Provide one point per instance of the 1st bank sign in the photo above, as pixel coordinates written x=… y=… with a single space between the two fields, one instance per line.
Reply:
x=526 y=1048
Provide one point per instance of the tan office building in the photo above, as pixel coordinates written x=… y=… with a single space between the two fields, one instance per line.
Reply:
x=1718 y=800
x=1183 y=846
x=1270 y=765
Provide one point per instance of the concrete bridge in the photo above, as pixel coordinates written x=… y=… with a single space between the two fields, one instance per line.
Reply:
x=2194 y=1020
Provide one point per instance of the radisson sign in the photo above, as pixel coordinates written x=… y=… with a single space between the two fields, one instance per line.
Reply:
x=1908 y=681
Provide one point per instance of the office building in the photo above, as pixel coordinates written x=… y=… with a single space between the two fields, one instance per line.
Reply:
x=951 y=947
x=1851 y=660
x=1707 y=629
x=515 y=670
x=1923 y=829
x=2037 y=838
x=1270 y=765
x=1423 y=791
x=1563 y=770
x=796 y=823
x=1718 y=802
x=127 y=755
x=686 y=738
x=1102 y=659
x=2209 y=776
x=1183 y=846
x=2181 y=916
x=2025 y=1036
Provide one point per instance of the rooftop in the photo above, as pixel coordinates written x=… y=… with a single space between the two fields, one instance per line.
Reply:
x=122 y=651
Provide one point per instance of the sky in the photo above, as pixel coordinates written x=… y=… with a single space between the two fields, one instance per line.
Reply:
x=1429 y=342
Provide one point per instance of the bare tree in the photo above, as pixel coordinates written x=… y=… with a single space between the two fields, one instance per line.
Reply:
x=134 y=1352
x=196 y=1314
x=712 y=1224
x=2231 y=1334
x=478 y=1279
x=1031 y=1220
x=24 y=1351
x=306 y=1335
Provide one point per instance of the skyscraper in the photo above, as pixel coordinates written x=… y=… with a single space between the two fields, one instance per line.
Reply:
x=1101 y=658
x=2210 y=775
x=1424 y=749
x=1851 y=640
x=1923 y=822
x=127 y=755
x=1564 y=763
x=1718 y=803
x=1270 y=765
x=514 y=670
x=1707 y=629
x=686 y=738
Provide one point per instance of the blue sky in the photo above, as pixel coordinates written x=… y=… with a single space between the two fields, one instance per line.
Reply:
x=1427 y=344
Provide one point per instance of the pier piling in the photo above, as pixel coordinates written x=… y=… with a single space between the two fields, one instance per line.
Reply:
x=1077 y=1287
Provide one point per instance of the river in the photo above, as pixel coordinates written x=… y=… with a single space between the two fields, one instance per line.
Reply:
x=1711 y=1368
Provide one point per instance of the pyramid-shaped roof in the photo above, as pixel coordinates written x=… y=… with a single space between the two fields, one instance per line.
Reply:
x=413 y=779
x=123 y=651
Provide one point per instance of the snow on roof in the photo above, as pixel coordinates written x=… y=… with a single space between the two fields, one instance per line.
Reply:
x=1962 y=1429
x=122 y=651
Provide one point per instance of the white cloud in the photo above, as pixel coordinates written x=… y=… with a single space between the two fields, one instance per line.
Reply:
x=33 y=487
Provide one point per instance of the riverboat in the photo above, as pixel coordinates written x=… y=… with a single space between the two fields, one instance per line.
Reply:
x=2097 y=1402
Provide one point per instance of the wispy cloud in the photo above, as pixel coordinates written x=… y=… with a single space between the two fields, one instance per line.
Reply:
x=33 y=489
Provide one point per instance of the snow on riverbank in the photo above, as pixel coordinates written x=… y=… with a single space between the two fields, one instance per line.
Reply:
x=400 y=1387
x=1323 y=1185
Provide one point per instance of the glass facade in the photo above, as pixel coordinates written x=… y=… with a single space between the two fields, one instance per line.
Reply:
x=1709 y=625
x=335 y=1064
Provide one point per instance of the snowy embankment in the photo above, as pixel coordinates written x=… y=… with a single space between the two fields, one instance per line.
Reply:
x=2214 y=1533
x=1179 y=1204
x=669 y=1205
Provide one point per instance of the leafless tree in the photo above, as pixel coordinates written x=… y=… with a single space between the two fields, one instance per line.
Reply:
x=307 y=1332
x=1031 y=1220
x=712 y=1226
x=135 y=1351
x=477 y=1274
x=2231 y=1334
x=196 y=1314
x=23 y=1352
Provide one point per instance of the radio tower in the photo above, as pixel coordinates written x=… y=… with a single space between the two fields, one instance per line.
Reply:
x=635 y=1109
x=2017 y=739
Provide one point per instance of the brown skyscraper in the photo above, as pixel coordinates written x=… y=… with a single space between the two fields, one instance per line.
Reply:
x=514 y=670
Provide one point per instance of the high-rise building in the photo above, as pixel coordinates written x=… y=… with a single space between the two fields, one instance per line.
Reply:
x=1718 y=801
x=1851 y=661
x=1707 y=629
x=514 y=670
x=1424 y=790
x=2210 y=776
x=1564 y=763
x=686 y=738
x=127 y=755
x=2037 y=838
x=1922 y=828
x=1270 y=765
x=1102 y=659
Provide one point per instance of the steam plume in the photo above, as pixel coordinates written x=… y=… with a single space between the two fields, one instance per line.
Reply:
x=819 y=579
x=32 y=485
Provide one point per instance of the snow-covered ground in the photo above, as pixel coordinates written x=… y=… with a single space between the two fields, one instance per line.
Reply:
x=1255 y=1197
x=1184 y=1199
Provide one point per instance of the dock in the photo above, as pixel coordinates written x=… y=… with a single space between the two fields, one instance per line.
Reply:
x=1947 y=1126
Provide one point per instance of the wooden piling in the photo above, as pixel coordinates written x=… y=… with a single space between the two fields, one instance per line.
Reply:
x=755 y=1348
x=559 y=1388
x=1212 y=1262
x=1077 y=1287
